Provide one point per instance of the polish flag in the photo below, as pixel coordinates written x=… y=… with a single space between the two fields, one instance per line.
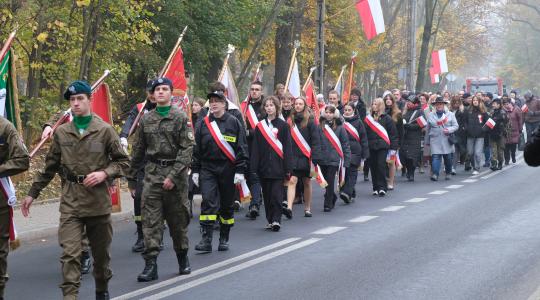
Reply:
x=294 y=82
x=421 y=122
x=371 y=15
x=433 y=75
x=311 y=100
x=230 y=88
x=438 y=61
x=490 y=123
x=525 y=108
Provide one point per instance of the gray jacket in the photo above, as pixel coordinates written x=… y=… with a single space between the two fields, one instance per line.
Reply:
x=435 y=136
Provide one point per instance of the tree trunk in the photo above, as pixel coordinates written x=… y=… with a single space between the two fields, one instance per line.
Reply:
x=283 y=45
x=91 y=25
x=426 y=37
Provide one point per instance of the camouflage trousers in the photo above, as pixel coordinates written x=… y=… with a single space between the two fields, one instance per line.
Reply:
x=159 y=205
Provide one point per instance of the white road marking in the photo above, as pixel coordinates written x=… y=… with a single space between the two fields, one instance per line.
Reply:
x=415 y=200
x=469 y=180
x=505 y=168
x=438 y=192
x=362 y=219
x=205 y=269
x=328 y=230
x=392 y=208
x=231 y=270
x=454 y=186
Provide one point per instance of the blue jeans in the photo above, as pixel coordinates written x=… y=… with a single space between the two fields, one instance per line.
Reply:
x=436 y=163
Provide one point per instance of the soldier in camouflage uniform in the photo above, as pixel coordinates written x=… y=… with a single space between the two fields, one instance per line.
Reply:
x=166 y=140
x=14 y=159
x=86 y=153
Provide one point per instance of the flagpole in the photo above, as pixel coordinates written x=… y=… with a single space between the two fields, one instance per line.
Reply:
x=257 y=71
x=309 y=77
x=66 y=114
x=163 y=71
x=230 y=50
x=351 y=73
x=296 y=45
x=340 y=78
x=7 y=45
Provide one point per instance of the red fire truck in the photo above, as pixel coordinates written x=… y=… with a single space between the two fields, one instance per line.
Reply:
x=484 y=84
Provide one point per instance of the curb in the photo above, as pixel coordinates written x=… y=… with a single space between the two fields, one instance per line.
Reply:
x=48 y=232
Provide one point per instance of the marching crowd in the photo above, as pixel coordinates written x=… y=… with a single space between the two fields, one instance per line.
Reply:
x=267 y=150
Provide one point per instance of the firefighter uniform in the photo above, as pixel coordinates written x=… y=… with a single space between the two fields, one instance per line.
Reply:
x=216 y=179
x=74 y=153
x=13 y=160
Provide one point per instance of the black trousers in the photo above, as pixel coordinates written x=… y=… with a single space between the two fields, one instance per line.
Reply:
x=272 y=191
x=329 y=173
x=218 y=190
x=377 y=164
x=351 y=175
x=510 y=151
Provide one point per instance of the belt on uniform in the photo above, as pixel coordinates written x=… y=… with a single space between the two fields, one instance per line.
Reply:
x=75 y=178
x=162 y=162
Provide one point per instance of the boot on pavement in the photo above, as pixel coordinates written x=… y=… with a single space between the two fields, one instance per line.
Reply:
x=86 y=262
x=183 y=262
x=224 y=237
x=150 y=271
x=102 y=295
x=139 y=244
x=205 y=245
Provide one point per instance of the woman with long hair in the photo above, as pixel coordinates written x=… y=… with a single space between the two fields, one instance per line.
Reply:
x=382 y=139
x=271 y=159
x=305 y=144
x=460 y=155
x=196 y=107
x=475 y=120
x=391 y=109
x=359 y=150
x=335 y=153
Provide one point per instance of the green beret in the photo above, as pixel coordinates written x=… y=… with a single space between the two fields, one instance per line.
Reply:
x=77 y=87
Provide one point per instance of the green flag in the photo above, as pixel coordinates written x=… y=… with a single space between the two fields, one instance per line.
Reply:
x=7 y=93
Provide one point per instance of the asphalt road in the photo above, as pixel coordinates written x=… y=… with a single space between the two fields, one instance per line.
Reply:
x=467 y=238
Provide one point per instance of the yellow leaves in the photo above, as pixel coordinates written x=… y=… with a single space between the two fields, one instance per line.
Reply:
x=81 y=3
x=42 y=37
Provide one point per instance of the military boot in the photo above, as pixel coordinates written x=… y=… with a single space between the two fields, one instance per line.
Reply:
x=139 y=244
x=224 y=237
x=183 y=262
x=86 y=262
x=150 y=271
x=102 y=295
x=205 y=245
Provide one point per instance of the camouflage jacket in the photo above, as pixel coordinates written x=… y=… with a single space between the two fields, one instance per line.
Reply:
x=14 y=157
x=167 y=138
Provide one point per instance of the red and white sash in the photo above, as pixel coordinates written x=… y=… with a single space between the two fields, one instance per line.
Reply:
x=377 y=128
x=352 y=131
x=334 y=141
x=8 y=190
x=220 y=140
x=270 y=138
x=304 y=147
x=250 y=114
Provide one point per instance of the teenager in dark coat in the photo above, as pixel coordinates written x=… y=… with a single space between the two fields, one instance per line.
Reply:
x=411 y=145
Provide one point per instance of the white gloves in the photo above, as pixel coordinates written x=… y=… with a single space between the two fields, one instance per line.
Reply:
x=238 y=178
x=195 y=178
x=124 y=143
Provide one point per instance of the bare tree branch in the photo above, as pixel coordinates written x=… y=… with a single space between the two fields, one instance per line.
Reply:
x=525 y=22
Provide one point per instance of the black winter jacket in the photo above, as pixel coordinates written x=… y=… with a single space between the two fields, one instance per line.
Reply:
x=412 y=134
x=359 y=150
x=474 y=123
x=329 y=155
x=264 y=159
x=206 y=150
x=312 y=136
x=376 y=142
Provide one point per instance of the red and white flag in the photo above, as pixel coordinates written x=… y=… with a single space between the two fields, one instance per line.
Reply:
x=438 y=61
x=490 y=123
x=311 y=100
x=176 y=72
x=230 y=88
x=421 y=121
x=433 y=75
x=525 y=108
x=371 y=15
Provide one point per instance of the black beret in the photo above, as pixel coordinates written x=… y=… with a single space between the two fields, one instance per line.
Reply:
x=161 y=81
x=77 y=87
